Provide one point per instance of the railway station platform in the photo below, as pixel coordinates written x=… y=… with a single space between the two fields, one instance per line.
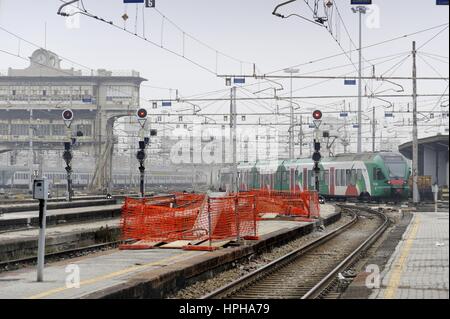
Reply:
x=59 y=215
x=145 y=273
x=418 y=267
x=34 y=206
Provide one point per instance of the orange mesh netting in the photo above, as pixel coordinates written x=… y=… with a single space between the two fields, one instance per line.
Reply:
x=302 y=204
x=160 y=219
x=189 y=217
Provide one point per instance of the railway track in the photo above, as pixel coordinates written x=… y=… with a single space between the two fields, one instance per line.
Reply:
x=313 y=270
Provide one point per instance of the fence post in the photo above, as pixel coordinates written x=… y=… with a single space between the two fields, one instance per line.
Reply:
x=254 y=216
x=238 y=236
x=209 y=221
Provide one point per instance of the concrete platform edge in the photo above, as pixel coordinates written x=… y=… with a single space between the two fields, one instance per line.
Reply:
x=158 y=283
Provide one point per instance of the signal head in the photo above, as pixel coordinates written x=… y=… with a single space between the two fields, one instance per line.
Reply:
x=316 y=157
x=67 y=156
x=141 y=156
x=142 y=113
x=317 y=115
x=67 y=115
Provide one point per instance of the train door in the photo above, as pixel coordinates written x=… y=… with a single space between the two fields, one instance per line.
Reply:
x=305 y=179
x=332 y=181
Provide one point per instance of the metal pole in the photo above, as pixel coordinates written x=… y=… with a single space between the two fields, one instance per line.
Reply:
x=291 y=132
x=236 y=205
x=30 y=156
x=69 y=184
x=233 y=125
x=415 y=164
x=361 y=10
x=142 y=188
x=41 y=243
x=301 y=136
x=374 y=124
x=316 y=173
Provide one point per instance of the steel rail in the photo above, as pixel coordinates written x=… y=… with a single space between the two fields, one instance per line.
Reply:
x=278 y=263
x=317 y=290
x=284 y=260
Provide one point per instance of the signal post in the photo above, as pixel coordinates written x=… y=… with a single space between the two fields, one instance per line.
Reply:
x=68 y=117
x=317 y=115
x=141 y=155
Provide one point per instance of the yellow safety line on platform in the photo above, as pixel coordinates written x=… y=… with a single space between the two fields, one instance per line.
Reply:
x=111 y=275
x=400 y=263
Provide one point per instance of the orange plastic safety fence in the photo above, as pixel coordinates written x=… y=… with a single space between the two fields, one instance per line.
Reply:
x=160 y=220
x=299 y=204
x=190 y=217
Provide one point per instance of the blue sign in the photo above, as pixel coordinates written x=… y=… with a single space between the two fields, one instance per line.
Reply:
x=350 y=82
x=355 y=126
x=388 y=114
x=344 y=114
x=166 y=103
x=87 y=100
x=133 y=1
x=361 y=2
x=442 y=2
x=312 y=126
x=239 y=81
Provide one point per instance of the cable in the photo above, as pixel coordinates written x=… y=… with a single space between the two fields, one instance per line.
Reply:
x=161 y=45
x=366 y=47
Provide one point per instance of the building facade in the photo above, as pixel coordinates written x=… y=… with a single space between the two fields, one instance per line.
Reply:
x=32 y=131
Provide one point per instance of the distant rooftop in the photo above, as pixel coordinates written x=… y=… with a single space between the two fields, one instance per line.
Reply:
x=44 y=63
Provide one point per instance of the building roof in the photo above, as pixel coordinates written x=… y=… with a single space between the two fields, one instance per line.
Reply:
x=438 y=142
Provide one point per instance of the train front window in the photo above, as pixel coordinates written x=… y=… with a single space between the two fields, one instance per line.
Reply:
x=396 y=169
x=378 y=174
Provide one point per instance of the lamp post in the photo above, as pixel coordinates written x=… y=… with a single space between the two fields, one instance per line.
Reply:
x=291 y=71
x=360 y=10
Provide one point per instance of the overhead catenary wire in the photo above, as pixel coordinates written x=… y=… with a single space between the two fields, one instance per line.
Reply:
x=364 y=47
x=161 y=44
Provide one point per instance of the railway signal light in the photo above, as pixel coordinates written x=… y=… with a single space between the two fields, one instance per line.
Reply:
x=316 y=157
x=317 y=115
x=67 y=156
x=141 y=156
x=142 y=116
x=67 y=116
x=317 y=146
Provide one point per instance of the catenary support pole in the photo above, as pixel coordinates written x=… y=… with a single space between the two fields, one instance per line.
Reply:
x=415 y=164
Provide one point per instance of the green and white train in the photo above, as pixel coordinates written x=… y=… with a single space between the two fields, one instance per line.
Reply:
x=371 y=176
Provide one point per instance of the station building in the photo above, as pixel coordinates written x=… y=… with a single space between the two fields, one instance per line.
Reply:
x=433 y=158
x=31 y=105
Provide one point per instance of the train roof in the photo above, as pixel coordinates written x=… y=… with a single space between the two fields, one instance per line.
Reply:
x=348 y=157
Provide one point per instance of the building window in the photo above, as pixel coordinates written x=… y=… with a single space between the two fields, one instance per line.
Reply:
x=85 y=129
x=42 y=130
x=58 y=130
x=4 y=129
x=19 y=129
